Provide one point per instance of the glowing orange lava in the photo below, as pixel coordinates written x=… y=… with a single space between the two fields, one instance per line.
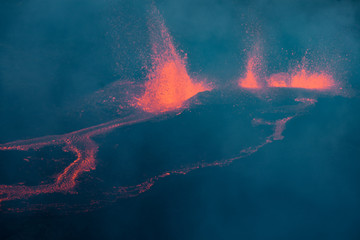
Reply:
x=308 y=80
x=169 y=84
x=251 y=77
x=168 y=87
x=302 y=79
x=81 y=144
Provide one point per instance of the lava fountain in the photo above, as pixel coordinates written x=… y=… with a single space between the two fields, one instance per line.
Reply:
x=302 y=78
x=308 y=80
x=168 y=83
x=251 y=78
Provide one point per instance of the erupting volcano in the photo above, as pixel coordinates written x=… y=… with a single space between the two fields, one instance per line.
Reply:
x=168 y=86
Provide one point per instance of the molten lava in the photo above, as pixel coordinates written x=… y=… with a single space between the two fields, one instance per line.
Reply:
x=251 y=77
x=169 y=84
x=305 y=79
x=302 y=79
x=168 y=87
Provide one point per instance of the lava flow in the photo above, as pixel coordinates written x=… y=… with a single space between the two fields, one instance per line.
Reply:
x=85 y=149
x=169 y=84
x=78 y=142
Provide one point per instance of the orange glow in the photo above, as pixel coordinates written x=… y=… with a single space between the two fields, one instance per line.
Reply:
x=278 y=80
x=305 y=79
x=302 y=79
x=251 y=78
x=169 y=84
